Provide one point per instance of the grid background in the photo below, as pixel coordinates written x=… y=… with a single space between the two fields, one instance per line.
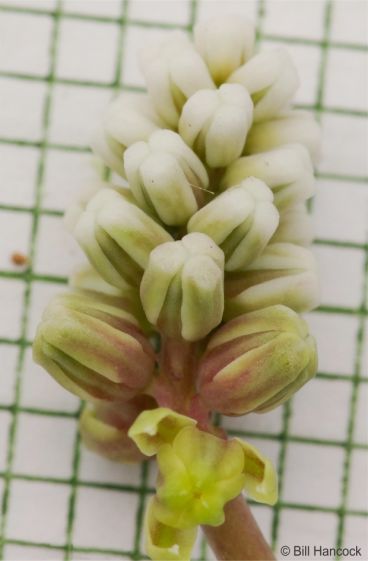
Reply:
x=60 y=62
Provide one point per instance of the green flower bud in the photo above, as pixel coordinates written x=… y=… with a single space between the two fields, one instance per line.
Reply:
x=287 y=170
x=182 y=287
x=173 y=71
x=295 y=226
x=283 y=274
x=288 y=127
x=225 y=43
x=215 y=123
x=257 y=361
x=271 y=79
x=94 y=347
x=198 y=474
x=154 y=428
x=128 y=119
x=241 y=221
x=165 y=543
x=117 y=236
x=166 y=177
x=104 y=428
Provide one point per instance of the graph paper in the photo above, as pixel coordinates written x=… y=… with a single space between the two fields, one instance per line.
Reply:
x=60 y=63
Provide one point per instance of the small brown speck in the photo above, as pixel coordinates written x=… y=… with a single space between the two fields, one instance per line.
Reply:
x=19 y=259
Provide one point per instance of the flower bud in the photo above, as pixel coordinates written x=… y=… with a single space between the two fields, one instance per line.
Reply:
x=117 y=236
x=257 y=361
x=154 y=428
x=287 y=170
x=166 y=177
x=94 y=347
x=215 y=123
x=104 y=428
x=283 y=274
x=225 y=43
x=164 y=542
x=128 y=119
x=271 y=79
x=173 y=71
x=108 y=150
x=182 y=287
x=295 y=226
x=87 y=278
x=288 y=127
x=241 y=221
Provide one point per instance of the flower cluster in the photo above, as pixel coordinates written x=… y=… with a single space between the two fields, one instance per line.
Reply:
x=199 y=266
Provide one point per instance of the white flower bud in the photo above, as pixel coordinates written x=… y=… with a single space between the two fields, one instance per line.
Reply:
x=287 y=170
x=108 y=150
x=117 y=236
x=225 y=43
x=128 y=119
x=173 y=71
x=182 y=289
x=284 y=274
x=166 y=177
x=286 y=128
x=271 y=79
x=241 y=221
x=295 y=226
x=215 y=123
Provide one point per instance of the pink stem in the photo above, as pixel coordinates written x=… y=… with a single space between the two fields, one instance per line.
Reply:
x=239 y=537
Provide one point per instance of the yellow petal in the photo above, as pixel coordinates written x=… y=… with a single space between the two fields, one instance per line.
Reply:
x=156 y=427
x=164 y=542
x=261 y=477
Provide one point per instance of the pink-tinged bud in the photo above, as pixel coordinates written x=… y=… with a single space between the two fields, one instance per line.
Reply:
x=257 y=361
x=94 y=347
x=104 y=428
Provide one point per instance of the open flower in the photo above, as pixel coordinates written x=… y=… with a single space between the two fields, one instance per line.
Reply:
x=225 y=43
x=117 y=236
x=166 y=177
x=271 y=79
x=284 y=274
x=287 y=170
x=212 y=470
x=286 y=128
x=173 y=71
x=257 y=361
x=241 y=221
x=182 y=289
x=215 y=123
x=94 y=347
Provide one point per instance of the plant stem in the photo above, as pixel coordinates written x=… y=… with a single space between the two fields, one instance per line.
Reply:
x=239 y=537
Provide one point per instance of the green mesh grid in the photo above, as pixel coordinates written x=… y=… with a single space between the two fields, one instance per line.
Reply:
x=29 y=276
